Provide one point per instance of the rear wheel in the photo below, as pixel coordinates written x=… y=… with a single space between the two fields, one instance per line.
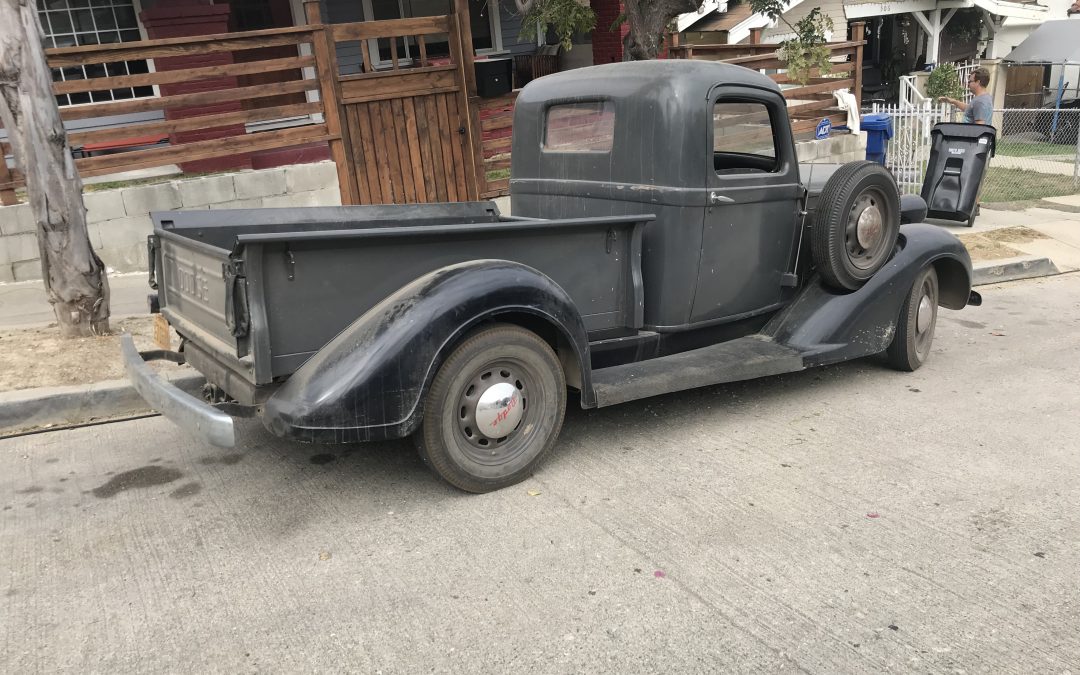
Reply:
x=856 y=226
x=494 y=409
x=910 y=346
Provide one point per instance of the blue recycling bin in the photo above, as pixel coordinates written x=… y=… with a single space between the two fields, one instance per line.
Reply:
x=879 y=130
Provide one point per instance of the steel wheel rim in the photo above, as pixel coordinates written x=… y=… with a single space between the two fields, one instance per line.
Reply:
x=488 y=384
x=864 y=236
x=925 y=316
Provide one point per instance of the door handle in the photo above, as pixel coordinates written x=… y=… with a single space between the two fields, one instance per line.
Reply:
x=717 y=198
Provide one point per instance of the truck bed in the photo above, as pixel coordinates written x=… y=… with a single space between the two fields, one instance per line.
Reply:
x=257 y=292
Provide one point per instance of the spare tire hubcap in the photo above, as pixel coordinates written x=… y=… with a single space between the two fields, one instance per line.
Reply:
x=869 y=228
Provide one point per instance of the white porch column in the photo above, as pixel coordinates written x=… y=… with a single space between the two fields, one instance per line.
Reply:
x=932 y=26
x=992 y=25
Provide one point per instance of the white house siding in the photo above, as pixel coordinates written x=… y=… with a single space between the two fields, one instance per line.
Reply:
x=831 y=8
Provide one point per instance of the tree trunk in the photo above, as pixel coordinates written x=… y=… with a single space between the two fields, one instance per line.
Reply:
x=74 y=276
x=648 y=21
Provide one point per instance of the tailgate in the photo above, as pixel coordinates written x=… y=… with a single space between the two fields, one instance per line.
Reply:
x=202 y=295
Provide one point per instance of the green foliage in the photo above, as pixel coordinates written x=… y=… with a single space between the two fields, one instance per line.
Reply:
x=565 y=17
x=808 y=49
x=965 y=26
x=944 y=81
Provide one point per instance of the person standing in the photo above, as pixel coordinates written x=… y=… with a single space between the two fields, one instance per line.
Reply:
x=980 y=110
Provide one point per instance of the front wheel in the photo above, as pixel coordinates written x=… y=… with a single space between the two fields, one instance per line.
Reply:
x=910 y=346
x=494 y=409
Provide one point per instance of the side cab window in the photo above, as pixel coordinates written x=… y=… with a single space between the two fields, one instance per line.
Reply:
x=743 y=138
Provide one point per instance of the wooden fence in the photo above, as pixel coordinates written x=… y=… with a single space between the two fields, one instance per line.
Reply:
x=405 y=133
x=410 y=132
x=496 y=125
x=181 y=110
x=807 y=103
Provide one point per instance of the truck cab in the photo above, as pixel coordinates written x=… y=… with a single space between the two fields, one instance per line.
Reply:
x=704 y=147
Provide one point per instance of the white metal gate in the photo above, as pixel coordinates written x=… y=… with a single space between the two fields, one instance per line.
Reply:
x=909 y=149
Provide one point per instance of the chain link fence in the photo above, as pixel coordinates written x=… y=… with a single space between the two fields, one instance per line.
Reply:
x=1037 y=155
x=1038 y=151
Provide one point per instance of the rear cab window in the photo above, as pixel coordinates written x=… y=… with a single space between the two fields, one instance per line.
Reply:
x=583 y=126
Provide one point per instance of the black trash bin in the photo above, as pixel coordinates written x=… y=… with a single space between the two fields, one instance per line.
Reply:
x=959 y=154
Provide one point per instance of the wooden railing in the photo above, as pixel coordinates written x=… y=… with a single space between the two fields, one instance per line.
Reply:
x=496 y=126
x=245 y=104
x=809 y=102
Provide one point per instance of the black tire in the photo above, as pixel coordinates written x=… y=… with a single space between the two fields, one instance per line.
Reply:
x=910 y=346
x=856 y=225
x=526 y=393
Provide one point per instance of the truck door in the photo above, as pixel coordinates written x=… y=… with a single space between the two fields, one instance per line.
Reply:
x=751 y=214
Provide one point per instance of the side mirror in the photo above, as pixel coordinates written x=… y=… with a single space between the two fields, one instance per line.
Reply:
x=912 y=209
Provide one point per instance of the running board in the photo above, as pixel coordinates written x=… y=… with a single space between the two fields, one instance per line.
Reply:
x=746 y=358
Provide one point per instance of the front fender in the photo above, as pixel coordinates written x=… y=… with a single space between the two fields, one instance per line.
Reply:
x=829 y=326
x=368 y=382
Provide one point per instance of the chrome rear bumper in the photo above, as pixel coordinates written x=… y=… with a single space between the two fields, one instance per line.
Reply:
x=189 y=413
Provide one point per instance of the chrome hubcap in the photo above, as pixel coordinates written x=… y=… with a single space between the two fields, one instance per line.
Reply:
x=925 y=314
x=499 y=410
x=865 y=233
x=868 y=229
x=491 y=409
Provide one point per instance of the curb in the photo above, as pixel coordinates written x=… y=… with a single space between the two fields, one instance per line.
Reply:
x=1013 y=269
x=30 y=408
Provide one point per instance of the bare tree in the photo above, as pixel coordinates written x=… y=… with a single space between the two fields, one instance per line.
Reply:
x=74 y=276
x=648 y=20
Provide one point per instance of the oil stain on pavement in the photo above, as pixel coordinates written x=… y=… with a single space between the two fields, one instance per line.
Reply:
x=144 y=477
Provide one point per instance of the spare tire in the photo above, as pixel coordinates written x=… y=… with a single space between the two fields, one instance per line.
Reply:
x=856 y=224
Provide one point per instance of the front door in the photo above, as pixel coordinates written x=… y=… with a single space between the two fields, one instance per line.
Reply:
x=753 y=204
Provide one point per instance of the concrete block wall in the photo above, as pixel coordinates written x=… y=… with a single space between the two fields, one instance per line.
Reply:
x=118 y=221
x=838 y=149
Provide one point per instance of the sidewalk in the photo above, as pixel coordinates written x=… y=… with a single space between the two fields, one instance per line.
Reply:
x=25 y=305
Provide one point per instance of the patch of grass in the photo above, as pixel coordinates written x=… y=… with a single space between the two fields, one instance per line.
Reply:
x=498 y=174
x=1010 y=185
x=1022 y=149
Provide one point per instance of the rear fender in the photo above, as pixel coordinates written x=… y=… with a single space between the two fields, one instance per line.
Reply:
x=829 y=326
x=368 y=382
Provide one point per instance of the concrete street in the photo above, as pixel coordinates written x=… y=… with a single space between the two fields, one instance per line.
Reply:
x=848 y=519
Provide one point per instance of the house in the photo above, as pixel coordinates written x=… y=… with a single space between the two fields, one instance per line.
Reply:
x=731 y=22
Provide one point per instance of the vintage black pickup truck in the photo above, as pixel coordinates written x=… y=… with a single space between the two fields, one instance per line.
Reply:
x=663 y=237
